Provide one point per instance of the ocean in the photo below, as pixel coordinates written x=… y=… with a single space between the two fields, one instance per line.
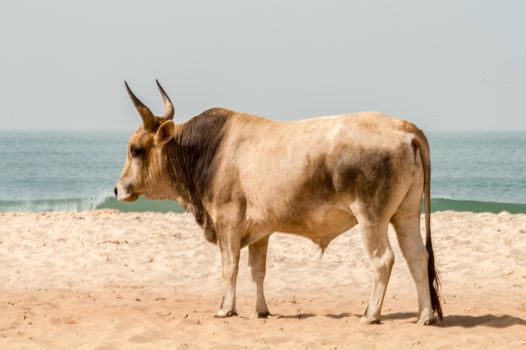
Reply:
x=73 y=171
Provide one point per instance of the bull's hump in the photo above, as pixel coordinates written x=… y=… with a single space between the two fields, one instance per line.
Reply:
x=217 y=111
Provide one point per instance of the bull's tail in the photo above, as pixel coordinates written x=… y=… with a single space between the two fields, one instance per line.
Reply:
x=434 y=282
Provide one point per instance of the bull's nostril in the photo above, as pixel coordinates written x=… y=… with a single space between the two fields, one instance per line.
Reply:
x=115 y=191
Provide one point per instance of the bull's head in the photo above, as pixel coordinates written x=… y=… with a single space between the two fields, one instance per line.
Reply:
x=142 y=173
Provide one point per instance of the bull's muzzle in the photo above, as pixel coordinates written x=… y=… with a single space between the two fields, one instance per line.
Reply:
x=125 y=194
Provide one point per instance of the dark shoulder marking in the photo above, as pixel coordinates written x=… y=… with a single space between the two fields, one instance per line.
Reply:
x=192 y=160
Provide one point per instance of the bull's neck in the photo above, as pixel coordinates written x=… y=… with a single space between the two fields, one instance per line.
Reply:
x=192 y=159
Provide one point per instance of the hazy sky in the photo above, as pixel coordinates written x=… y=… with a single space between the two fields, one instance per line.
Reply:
x=446 y=65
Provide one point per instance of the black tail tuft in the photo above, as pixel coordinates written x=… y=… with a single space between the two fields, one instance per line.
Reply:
x=434 y=280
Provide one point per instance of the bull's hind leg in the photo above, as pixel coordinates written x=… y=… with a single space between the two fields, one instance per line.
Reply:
x=257 y=260
x=408 y=232
x=382 y=258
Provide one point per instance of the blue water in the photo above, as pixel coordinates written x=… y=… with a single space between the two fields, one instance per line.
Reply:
x=78 y=170
x=488 y=167
x=59 y=170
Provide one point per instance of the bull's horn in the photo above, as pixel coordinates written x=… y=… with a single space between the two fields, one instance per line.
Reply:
x=147 y=116
x=167 y=103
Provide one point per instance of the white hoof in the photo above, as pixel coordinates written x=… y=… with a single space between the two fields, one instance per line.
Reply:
x=225 y=313
x=369 y=320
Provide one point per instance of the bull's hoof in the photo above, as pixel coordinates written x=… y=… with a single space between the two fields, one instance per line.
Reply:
x=427 y=318
x=369 y=320
x=225 y=313
x=262 y=314
x=427 y=321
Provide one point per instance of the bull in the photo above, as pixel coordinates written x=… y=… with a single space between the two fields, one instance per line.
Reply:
x=244 y=177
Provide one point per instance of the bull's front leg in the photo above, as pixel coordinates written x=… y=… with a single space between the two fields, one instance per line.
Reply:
x=257 y=259
x=230 y=246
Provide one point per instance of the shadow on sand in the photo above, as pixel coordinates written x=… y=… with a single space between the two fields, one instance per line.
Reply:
x=298 y=316
x=302 y=316
x=466 y=321
x=341 y=315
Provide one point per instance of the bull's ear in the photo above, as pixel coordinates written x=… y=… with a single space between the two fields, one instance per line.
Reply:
x=165 y=133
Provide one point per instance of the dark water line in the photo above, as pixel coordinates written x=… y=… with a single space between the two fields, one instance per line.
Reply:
x=437 y=204
x=141 y=205
x=441 y=204
x=164 y=206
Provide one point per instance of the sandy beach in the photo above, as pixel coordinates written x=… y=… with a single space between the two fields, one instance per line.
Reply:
x=110 y=280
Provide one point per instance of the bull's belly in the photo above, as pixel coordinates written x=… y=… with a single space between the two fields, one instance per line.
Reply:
x=321 y=224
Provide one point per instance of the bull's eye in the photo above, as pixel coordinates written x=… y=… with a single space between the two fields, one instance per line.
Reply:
x=136 y=151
